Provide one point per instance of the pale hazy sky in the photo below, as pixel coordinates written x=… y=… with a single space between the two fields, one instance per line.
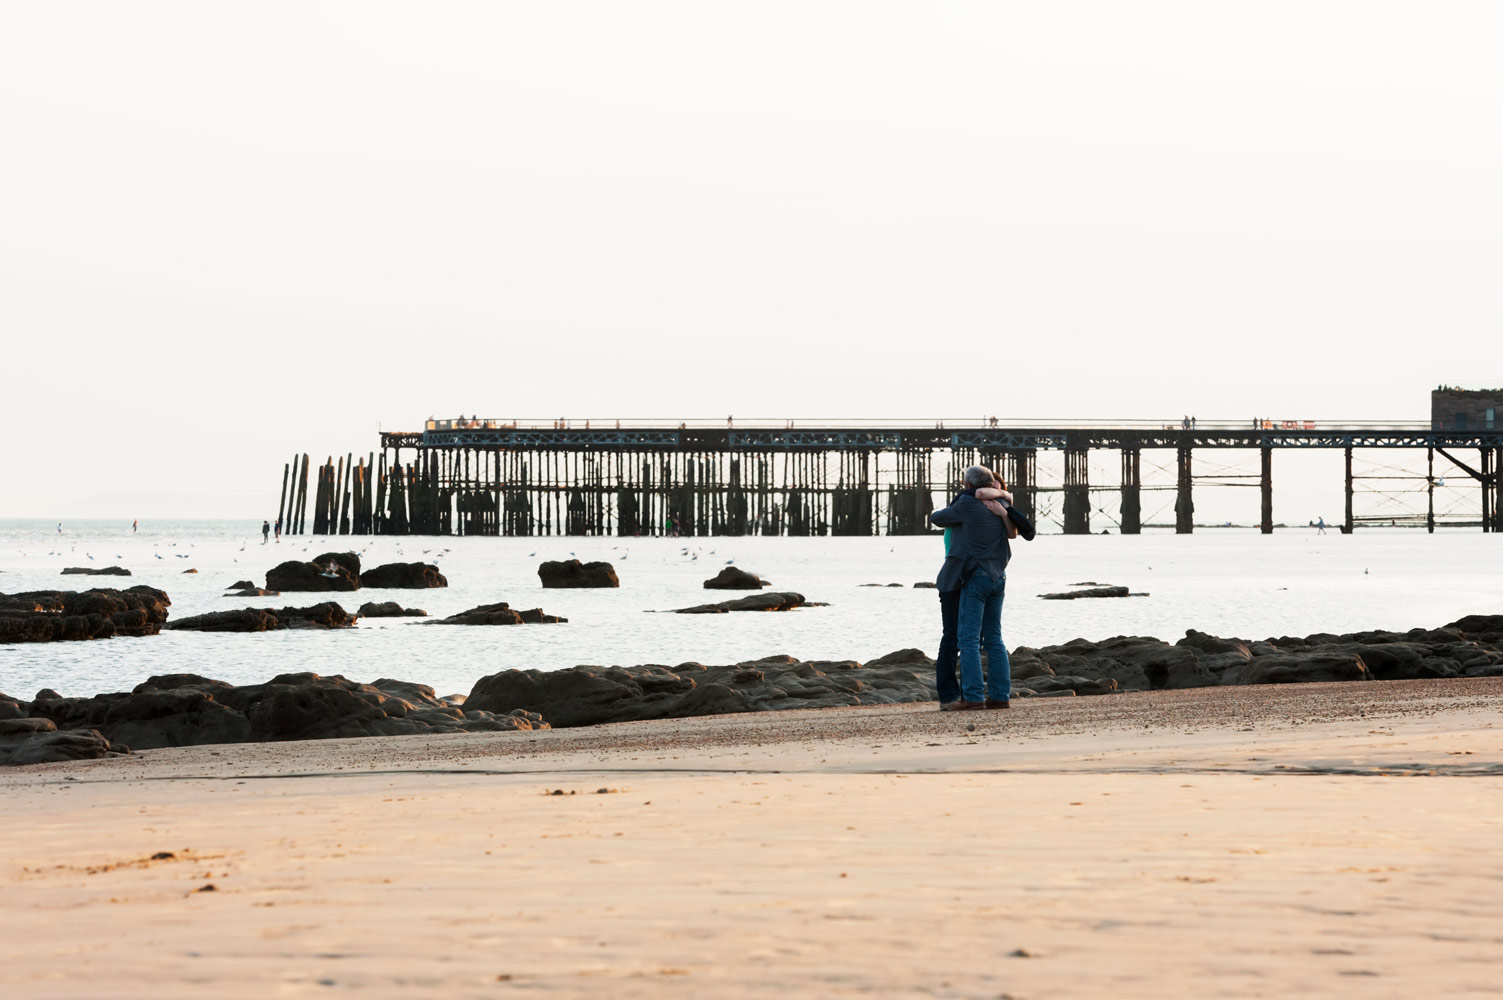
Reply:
x=230 y=232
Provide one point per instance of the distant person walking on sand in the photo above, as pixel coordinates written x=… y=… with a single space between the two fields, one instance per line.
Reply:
x=977 y=566
x=134 y=525
x=1320 y=526
x=277 y=530
x=265 y=531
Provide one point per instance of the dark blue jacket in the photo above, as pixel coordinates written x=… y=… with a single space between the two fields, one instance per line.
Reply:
x=980 y=541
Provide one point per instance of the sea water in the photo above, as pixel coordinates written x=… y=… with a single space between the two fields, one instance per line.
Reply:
x=1223 y=581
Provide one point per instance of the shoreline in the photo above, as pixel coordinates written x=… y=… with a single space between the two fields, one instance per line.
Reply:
x=1283 y=838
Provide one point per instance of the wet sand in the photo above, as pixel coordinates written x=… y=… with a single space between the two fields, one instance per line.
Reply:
x=1311 y=840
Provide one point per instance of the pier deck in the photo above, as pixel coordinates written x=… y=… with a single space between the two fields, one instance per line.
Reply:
x=792 y=477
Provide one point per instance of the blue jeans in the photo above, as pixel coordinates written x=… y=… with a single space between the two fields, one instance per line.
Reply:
x=945 y=683
x=981 y=624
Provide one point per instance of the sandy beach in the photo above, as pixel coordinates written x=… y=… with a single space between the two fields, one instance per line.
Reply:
x=1319 y=840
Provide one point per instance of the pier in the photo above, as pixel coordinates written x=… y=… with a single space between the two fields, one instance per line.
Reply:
x=473 y=476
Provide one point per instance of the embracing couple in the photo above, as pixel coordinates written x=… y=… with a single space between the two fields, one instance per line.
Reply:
x=971 y=583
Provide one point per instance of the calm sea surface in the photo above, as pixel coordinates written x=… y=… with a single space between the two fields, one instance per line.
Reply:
x=1227 y=582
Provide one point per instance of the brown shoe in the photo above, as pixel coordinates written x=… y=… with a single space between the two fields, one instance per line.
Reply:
x=994 y=703
x=962 y=706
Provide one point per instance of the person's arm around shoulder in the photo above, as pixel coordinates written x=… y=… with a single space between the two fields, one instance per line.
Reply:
x=948 y=517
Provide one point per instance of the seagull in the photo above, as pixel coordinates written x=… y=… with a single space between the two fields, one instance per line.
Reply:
x=157 y=554
x=729 y=561
x=89 y=554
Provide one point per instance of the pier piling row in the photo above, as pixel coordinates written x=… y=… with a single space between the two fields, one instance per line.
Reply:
x=474 y=477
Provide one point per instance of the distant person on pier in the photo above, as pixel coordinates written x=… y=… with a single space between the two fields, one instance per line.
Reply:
x=975 y=573
x=265 y=532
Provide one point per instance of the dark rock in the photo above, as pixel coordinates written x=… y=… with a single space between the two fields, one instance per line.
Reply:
x=770 y=601
x=417 y=694
x=53 y=746
x=583 y=696
x=238 y=620
x=1296 y=668
x=254 y=592
x=389 y=609
x=327 y=615
x=1071 y=595
x=329 y=575
x=26 y=727
x=733 y=578
x=188 y=710
x=500 y=614
x=46 y=616
x=926 y=585
x=348 y=561
x=404 y=576
x=190 y=571
x=241 y=585
x=573 y=573
x=903 y=657
x=13 y=708
x=90 y=571
x=176 y=717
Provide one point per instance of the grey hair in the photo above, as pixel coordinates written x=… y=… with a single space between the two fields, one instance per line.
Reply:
x=978 y=476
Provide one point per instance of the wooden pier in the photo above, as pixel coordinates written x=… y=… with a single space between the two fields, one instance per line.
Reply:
x=489 y=477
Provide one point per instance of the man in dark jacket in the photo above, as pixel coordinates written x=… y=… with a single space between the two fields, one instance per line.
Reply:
x=976 y=567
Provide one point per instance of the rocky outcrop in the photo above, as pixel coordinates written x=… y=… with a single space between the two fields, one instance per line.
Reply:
x=321 y=616
x=733 y=578
x=404 y=576
x=1099 y=591
x=500 y=614
x=583 y=696
x=328 y=573
x=769 y=601
x=389 y=609
x=573 y=573
x=241 y=585
x=1469 y=647
x=90 y=571
x=254 y=592
x=39 y=741
x=53 y=615
x=190 y=710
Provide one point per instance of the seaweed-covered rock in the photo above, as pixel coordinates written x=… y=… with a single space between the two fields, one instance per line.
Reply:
x=571 y=573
